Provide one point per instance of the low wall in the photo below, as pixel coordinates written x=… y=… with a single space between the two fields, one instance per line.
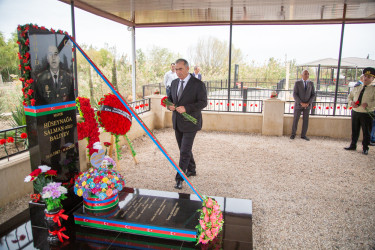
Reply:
x=12 y=172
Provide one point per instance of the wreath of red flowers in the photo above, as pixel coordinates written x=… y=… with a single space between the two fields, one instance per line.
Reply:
x=112 y=122
x=25 y=64
x=89 y=128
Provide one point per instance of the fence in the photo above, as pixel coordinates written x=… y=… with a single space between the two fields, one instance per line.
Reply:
x=11 y=142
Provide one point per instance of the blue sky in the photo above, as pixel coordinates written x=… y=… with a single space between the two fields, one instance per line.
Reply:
x=301 y=42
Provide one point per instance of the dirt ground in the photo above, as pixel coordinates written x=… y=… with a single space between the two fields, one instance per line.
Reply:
x=307 y=195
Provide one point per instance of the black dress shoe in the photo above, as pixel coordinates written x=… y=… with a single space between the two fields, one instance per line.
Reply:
x=305 y=138
x=365 y=152
x=350 y=148
x=188 y=173
x=292 y=137
x=178 y=184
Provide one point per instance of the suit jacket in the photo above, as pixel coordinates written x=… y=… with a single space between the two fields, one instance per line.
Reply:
x=194 y=99
x=47 y=93
x=199 y=76
x=302 y=95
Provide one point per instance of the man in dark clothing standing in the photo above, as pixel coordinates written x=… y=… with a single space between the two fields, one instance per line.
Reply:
x=304 y=94
x=189 y=95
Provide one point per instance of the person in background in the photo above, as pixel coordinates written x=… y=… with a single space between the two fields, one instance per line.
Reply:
x=189 y=95
x=362 y=99
x=169 y=77
x=196 y=73
x=360 y=80
x=303 y=93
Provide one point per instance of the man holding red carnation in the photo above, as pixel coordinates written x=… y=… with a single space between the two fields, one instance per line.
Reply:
x=362 y=99
x=189 y=95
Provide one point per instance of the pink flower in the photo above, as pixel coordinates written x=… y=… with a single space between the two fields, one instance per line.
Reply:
x=203 y=225
x=209 y=203
x=213 y=218
x=208 y=233
x=204 y=210
x=216 y=207
x=206 y=218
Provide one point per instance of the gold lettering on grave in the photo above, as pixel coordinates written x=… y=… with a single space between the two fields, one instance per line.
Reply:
x=159 y=210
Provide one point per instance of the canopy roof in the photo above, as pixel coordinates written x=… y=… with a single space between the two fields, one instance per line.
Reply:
x=163 y=13
x=348 y=62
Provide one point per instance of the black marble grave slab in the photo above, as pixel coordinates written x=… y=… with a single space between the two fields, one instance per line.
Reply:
x=236 y=234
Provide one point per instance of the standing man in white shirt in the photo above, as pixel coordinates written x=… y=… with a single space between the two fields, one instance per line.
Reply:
x=169 y=77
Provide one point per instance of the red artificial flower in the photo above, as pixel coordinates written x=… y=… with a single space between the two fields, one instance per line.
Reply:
x=221 y=103
x=23 y=135
x=344 y=107
x=239 y=104
x=30 y=92
x=314 y=107
x=146 y=104
x=27 y=42
x=18 y=42
x=27 y=55
x=32 y=102
x=36 y=172
x=292 y=107
x=320 y=107
x=52 y=30
x=244 y=104
x=24 y=103
x=19 y=56
x=350 y=107
x=22 y=79
x=227 y=104
x=51 y=172
x=2 y=141
x=162 y=101
x=10 y=139
x=338 y=107
x=25 y=60
x=29 y=81
x=210 y=103
x=327 y=107
x=43 y=28
x=357 y=103
x=136 y=107
x=217 y=103
x=141 y=106
x=232 y=104
x=27 y=68
x=256 y=105
x=107 y=144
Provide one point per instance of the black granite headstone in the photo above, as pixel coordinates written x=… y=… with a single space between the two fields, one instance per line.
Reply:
x=51 y=122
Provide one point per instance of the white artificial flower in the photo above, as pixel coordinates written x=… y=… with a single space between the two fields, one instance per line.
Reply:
x=44 y=168
x=105 y=162
x=27 y=178
x=97 y=146
x=46 y=195
x=63 y=190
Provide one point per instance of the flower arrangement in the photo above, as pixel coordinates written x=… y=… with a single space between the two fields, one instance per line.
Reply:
x=210 y=221
x=89 y=128
x=273 y=94
x=114 y=118
x=101 y=182
x=165 y=102
x=370 y=113
x=41 y=177
x=53 y=193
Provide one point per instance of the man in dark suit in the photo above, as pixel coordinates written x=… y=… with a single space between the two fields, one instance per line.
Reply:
x=189 y=95
x=304 y=94
x=54 y=85
x=196 y=73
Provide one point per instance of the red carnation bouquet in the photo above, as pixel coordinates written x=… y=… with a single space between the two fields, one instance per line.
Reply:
x=165 y=102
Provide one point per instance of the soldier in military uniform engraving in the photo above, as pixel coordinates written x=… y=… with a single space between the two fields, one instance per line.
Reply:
x=54 y=85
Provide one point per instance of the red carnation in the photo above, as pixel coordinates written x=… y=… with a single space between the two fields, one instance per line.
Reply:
x=357 y=103
x=232 y=104
x=32 y=102
x=314 y=107
x=344 y=107
x=23 y=135
x=136 y=107
x=2 y=141
x=227 y=104
x=10 y=139
x=36 y=172
x=27 y=42
x=327 y=107
x=244 y=104
x=27 y=55
x=51 y=172
x=350 y=108
x=239 y=104
x=256 y=105
x=30 y=92
x=141 y=106
x=146 y=104
x=107 y=144
x=338 y=107
x=292 y=107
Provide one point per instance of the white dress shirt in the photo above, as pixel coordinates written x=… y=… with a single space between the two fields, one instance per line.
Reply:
x=168 y=78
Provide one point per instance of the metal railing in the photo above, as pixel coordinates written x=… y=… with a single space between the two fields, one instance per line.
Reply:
x=141 y=106
x=234 y=105
x=19 y=145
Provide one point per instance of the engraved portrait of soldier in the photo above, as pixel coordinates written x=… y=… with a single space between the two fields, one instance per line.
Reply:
x=54 y=84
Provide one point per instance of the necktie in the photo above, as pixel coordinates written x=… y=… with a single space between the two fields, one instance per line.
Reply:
x=55 y=80
x=180 y=90
x=305 y=83
x=361 y=95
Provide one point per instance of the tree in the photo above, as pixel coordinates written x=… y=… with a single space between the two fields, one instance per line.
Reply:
x=8 y=57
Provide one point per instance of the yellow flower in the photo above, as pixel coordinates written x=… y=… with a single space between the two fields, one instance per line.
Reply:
x=105 y=180
x=83 y=184
x=104 y=190
x=116 y=178
x=79 y=192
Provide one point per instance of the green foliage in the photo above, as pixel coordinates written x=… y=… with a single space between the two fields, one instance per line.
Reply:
x=18 y=116
x=8 y=59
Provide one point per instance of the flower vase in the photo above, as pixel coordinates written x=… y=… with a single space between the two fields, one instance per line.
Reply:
x=51 y=225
